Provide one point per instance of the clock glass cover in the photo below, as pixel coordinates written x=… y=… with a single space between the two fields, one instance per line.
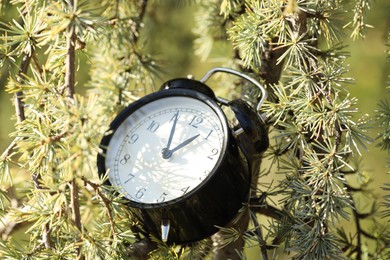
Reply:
x=165 y=149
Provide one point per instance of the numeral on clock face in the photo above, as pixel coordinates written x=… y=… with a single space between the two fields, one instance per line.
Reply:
x=130 y=177
x=153 y=126
x=213 y=154
x=140 y=193
x=196 y=121
x=175 y=117
x=133 y=138
x=125 y=159
x=162 y=197
x=208 y=135
x=184 y=190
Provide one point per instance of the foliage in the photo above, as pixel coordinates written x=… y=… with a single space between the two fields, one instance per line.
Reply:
x=383 y=119
x=49 y=184
x=295 y=48
x=63 y=207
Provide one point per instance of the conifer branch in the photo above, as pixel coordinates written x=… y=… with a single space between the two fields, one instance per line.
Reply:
x=258 y=206
x=262 y=243
x=76 y=217
x=70 y=74
x=11 y=226
x=279 y=42
x=74 y=201
x=36 y=249
x=70 y=63
x=19 y=104
x=20 y=114
x=358 y=234
x=106 y=201
x=7 y=152
x=230 y=251
x=144 y=4
x=138 y=24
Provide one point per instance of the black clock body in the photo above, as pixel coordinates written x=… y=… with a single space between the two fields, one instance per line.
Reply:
x=211 y=206
x=216 y=200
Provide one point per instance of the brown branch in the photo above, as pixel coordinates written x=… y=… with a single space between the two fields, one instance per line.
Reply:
x=20 y=114
x=70 y=66
x=263 y=244
x=36 y=63
x=266 y=210
x=138 y=22
x=36 y=249
x=19 y=104
x=70 y=62
x=76 y=217
x=359 y=232
x=70 y=74
x=107 y=202
x=74 y=200
x=144 y=4
x=46 y=236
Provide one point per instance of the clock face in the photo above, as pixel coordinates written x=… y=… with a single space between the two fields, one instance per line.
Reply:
x=165 y=148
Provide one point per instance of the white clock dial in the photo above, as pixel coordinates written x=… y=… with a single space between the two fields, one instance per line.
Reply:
x=165 y=149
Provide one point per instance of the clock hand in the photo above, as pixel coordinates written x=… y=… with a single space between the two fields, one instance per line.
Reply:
x=184 y=143
x=166 y=153
x=176 y=117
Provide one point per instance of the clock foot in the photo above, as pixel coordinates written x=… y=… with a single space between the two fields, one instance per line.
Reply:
x=165 y=225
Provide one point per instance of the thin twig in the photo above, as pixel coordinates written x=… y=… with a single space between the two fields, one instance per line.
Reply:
x=20 y=115
x=70 y=62
x=70 y=74
x=10 y=226
x=46 y=236
x=19 y=105
x=76 y=217
x=138 y=23
x=7 y=152
x=358 y=234
x=36 y=63
x=263 y=245
x=74 y=189
x=144 y=4
x=107 y=202
x=265 y=209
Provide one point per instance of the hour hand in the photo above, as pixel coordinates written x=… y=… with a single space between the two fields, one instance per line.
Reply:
x=166 y=153
x=189 y=140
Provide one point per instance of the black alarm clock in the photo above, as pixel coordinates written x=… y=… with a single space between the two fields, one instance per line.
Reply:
x=177 y=161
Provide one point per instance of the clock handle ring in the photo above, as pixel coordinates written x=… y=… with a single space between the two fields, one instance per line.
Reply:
x=239 y=74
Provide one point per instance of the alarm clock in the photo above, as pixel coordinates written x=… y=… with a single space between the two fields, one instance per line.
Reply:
x=178 y=162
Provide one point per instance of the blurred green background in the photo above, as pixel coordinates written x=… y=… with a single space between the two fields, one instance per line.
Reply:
x=168 y=34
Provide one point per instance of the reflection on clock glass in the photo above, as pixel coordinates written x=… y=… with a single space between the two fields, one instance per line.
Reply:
x=165 y=149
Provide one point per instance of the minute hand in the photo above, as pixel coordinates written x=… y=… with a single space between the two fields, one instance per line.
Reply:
x=176 y=117
x=184 y=143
